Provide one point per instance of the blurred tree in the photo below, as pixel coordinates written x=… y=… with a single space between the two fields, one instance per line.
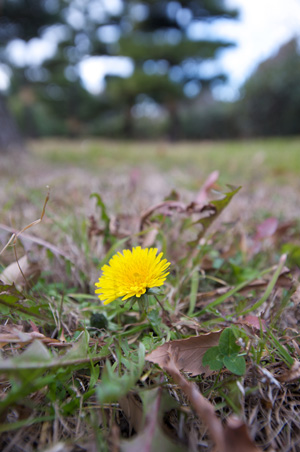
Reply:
x=10 y=138
x=49 y=98
x=213 y=121
x=158 y=36
x=270 y=103
x=19 y=19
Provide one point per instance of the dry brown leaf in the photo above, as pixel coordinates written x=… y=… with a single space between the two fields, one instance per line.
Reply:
x=203 y=194
x=266 y=229
x=200 y=404
x=123 y=225
x=204 y=296
x=20 y=337
x=234 y=437
x=296 y=295
x=12 y=273
x=133 y=411
x=254 y=322
x=33 y=326
x=237 y=438
x=165 y=207
x=292 y=374
x=151 y=437
x=10 y=328
x=12 y=335
x=186 y=353
x=150 y=237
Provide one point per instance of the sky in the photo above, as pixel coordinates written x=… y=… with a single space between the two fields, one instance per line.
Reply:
x=263 y=26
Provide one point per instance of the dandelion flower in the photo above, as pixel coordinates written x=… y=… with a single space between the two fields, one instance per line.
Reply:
x=130 y=274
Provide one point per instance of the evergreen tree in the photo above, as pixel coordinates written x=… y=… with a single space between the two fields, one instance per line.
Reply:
x=155 y=34
x=157 y=37
x=20 y=19
x=50 y=97
x=270 y=103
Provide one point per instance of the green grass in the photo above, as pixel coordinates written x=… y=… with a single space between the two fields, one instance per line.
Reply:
x=239 y=159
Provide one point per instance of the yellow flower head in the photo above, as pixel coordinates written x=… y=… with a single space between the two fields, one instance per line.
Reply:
x=130 y=274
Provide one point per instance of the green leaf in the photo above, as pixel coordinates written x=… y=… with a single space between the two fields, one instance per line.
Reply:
x=80 y=348
x=115 y=386
x=293 y=252
x=236 y=364
x=217 y=207
x=34 y=353
x=213 y=358
x=10 y=298
x=150 y=342
x=102 y=206
x=154 y=291
x=155 y=319
x=227 y=342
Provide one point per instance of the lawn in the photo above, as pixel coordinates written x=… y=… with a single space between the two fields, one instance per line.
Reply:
x=208 y=356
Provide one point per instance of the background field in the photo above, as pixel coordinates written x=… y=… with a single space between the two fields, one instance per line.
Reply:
x=135 y=175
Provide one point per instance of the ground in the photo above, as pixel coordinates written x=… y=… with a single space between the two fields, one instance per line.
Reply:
x=233 y=270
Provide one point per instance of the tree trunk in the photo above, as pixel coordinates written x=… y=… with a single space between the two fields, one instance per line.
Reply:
x=10 y=137
x=174 y=131
x=128 y=123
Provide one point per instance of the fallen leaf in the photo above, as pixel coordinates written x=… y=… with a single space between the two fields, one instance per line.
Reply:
x=186 y=353
x=133 y=411
x=16 y=336
x=13 y=275
x=254 y=322
x=296 y=295
x=234 y=437
x=150 y=237
x=203 y=408
x=37 y=356
x=237 y=438
x=33 y=326
x=123 y=225
x=202 y=195
x=165 y=207
x=214 y=209
x=152 y=438
x=266 y=229
x=292 y=374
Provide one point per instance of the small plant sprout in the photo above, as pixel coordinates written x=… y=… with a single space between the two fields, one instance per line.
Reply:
x=131 y=274
x=227 y=354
